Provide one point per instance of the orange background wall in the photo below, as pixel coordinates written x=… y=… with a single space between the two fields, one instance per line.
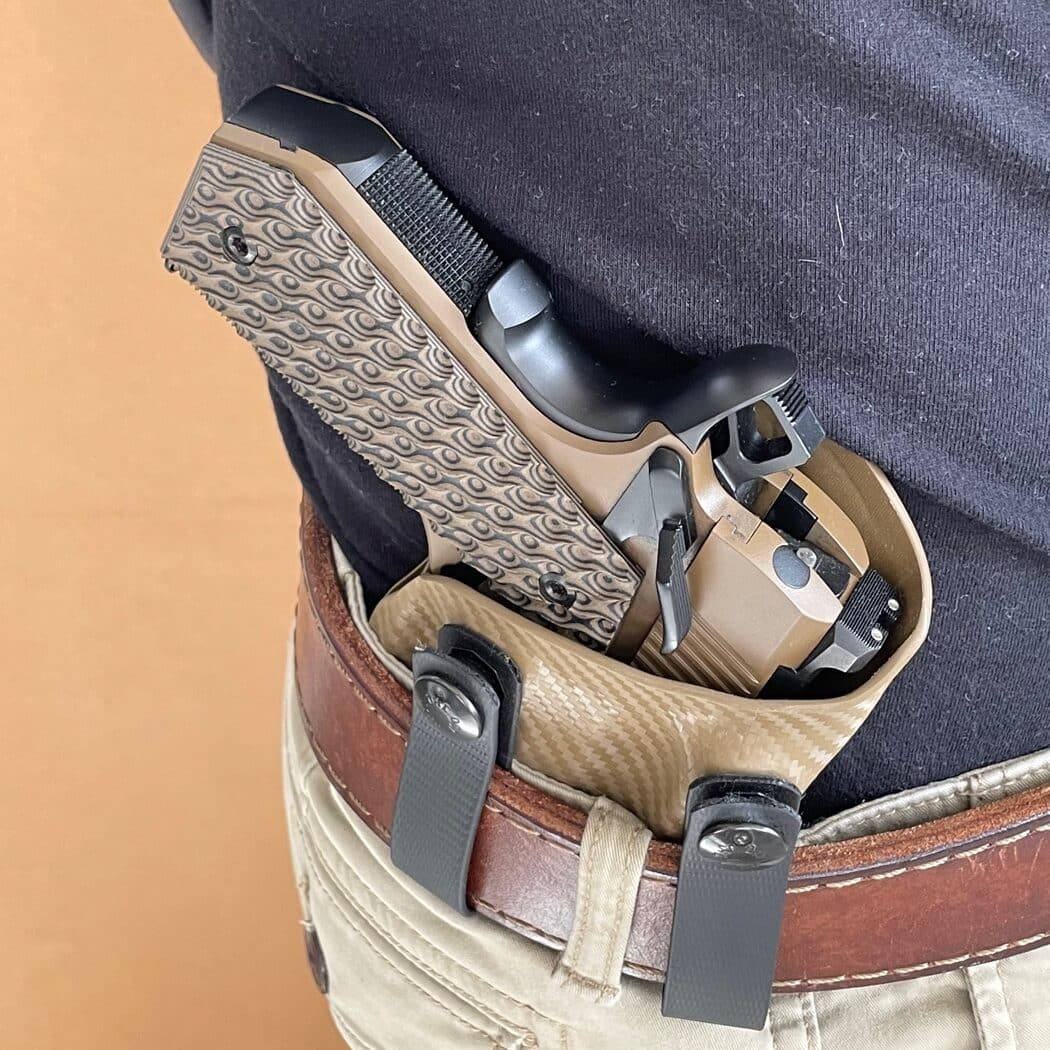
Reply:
x=147 y=567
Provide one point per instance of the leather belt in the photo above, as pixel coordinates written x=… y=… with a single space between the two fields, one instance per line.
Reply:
x=961 y=889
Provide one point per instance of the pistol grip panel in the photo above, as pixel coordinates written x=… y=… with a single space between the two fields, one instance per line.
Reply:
x=323 y=317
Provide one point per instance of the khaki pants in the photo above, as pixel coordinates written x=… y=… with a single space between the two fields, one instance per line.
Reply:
x=407 y=973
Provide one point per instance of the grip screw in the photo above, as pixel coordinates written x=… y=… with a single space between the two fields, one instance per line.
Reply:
x=237 y=247
x=555 y=590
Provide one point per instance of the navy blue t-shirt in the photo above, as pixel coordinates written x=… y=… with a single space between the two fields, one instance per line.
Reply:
x=865 y=181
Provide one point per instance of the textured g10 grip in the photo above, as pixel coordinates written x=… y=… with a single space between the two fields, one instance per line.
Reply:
x=324 y=318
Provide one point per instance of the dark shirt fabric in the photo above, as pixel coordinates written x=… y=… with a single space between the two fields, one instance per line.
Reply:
x=865 y=182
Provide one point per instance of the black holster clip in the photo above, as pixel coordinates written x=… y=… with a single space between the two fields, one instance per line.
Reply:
x=465 y=699
x=740 y=834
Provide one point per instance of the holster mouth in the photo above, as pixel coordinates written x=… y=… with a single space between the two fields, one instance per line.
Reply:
x=608 y=728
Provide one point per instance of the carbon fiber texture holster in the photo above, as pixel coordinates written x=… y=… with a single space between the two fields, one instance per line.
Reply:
x=612 y=730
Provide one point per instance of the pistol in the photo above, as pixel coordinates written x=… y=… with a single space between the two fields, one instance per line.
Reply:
x=663 y=521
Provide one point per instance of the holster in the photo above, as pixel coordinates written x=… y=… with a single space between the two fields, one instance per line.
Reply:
x=868 y=909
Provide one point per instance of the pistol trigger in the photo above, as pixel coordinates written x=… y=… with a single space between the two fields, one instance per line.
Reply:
x=672 y=587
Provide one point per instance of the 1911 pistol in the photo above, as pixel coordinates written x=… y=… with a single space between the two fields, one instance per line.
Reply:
x=661 y=521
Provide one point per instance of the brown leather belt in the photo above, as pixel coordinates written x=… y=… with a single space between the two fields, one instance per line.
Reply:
x=966 y=888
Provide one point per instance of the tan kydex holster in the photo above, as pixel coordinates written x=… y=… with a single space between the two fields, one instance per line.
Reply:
x=611 y=729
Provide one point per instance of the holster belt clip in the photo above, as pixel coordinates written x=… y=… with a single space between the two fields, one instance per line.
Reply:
x=740 y=834
x=465 y=699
